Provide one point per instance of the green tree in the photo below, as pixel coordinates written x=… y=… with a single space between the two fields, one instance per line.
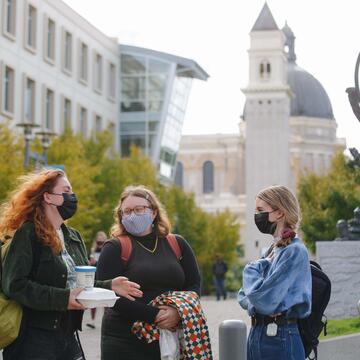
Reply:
x=326 y=199
x=69 y=150
x=117 y=173
x=208 y=234
x=11 y=159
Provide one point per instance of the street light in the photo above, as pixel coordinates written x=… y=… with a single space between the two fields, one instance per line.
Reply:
x=45 y=142
x=354 y=99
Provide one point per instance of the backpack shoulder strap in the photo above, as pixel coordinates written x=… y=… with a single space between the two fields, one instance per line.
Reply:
x=174 y=244
x=126 y=248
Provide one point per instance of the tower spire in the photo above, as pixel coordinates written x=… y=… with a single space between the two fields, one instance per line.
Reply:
x=265 y=20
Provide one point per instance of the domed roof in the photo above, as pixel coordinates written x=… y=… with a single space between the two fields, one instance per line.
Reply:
x=309 y=97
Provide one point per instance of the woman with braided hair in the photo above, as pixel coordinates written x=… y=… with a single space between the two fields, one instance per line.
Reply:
x=276 y=289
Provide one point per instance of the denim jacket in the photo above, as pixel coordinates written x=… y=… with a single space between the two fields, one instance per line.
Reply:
x=283 y=285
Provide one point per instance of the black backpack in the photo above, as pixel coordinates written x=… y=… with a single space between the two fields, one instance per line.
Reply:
x=311 y=326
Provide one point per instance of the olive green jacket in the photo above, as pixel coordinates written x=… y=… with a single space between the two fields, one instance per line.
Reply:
x=41 y=288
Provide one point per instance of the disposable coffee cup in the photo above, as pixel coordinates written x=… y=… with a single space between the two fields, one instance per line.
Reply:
x=85 y=276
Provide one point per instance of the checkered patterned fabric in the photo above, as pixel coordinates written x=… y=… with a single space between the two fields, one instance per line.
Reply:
x=196 y=342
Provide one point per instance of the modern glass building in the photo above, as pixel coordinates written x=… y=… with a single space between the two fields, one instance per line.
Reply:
x=154 y=88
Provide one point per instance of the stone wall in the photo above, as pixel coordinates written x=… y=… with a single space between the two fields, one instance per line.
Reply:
x=340 y=260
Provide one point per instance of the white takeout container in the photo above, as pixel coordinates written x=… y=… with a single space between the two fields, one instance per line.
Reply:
x=97 y=297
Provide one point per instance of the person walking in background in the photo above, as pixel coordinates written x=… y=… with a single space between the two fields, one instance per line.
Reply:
x=39 y=268
x=276 y=289
x=95 y=251
x=141 y=219
x=219 y=269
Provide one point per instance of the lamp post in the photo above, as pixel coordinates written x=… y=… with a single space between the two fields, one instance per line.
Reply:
x=45 y=142
x=354 y=99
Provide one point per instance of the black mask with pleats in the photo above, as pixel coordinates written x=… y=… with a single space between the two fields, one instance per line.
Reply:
x=68 y=208
x=263 y=224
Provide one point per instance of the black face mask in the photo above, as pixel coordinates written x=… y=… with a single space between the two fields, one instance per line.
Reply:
x=263 y=224
x=68 y=208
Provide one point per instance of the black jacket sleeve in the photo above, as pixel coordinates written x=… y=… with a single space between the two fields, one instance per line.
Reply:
x=110 y=266
x=190 y=266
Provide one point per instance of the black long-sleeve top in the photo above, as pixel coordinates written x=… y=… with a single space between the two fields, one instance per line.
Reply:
x=156 y=272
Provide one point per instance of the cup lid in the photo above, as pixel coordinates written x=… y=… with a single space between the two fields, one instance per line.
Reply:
x=85 y=268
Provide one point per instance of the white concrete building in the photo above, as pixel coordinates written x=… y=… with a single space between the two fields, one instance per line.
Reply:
x=287 y=127
x=57 y=70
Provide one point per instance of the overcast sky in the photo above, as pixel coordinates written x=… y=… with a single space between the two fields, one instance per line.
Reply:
x=215 y=33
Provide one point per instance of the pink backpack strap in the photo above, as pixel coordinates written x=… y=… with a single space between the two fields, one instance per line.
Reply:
x=174 y=244
x=126 y=248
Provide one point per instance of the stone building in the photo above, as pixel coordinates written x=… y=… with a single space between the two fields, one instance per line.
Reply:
x=287 y=127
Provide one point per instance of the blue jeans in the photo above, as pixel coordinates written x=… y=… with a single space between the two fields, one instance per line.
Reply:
x=220 y=287
x=286 y=345
x=39 y=344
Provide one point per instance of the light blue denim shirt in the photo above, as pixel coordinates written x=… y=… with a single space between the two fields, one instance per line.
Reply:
x=283 y=285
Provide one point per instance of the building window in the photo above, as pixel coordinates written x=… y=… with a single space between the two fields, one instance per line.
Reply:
x=50 y=40
x=67 y=51
x=265 y=69
x=66 y=114
x=29 y=100
x=268 y=68
x=208 y=177
x=83 y=62
x=49 y=109
x=98 y=72
x=98 y=123
x=112 y=81
x=179 y=174
x=83 y=114
x=112 y=130
x=8 y=91
x=31 y=23
x=9 y=19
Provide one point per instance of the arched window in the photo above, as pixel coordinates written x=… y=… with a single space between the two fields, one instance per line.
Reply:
x=265 y=69
x=179 y=174
x=262 y=70
x=208 y=177
x=268 y=68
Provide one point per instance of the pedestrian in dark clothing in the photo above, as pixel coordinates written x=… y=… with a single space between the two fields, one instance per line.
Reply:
x=219 y=270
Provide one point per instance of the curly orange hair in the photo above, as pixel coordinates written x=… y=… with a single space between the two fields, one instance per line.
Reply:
x=26 y=204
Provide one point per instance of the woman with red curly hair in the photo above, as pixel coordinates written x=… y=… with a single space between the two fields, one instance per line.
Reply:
x=39 y=269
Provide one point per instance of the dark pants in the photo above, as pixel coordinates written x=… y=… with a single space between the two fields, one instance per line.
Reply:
x=39 y=344
x=220 y=288
x=285 y=345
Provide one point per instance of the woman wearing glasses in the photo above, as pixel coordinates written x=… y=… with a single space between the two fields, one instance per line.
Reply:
x=153 y=264
x=276 y=289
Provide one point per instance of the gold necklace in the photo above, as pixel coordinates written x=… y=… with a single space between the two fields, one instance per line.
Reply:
x=151 y=251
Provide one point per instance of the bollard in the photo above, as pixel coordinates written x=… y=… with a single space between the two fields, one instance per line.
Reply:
x=232 y=340
x=358 y=306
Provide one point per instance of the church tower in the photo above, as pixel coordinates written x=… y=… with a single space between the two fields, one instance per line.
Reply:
x=266 y=117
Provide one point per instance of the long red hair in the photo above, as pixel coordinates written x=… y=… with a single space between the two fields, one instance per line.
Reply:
x=26 y=204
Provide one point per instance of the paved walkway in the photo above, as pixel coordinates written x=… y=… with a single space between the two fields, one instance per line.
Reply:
x=215 y=311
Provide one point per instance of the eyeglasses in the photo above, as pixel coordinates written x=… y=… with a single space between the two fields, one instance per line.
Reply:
x=138 y=210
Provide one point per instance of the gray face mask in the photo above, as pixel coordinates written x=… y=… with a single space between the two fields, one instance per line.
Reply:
x=137 y=224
